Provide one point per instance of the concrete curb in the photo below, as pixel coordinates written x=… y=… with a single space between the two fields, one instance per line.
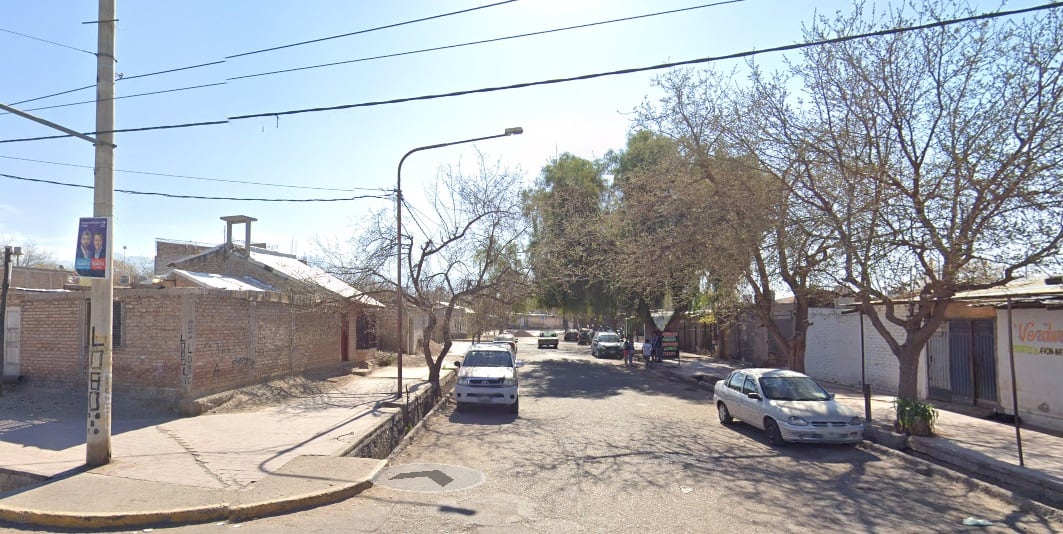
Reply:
x=928 y=468
x=258 y=502
x=176 y=517
x=269 y=508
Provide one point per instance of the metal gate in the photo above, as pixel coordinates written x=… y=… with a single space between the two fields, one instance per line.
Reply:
x=12 y=364
x=961 y=372
x=937 y=354
x=961 y=362
x=985 y=362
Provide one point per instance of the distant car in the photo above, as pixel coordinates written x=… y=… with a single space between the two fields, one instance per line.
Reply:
x=571 y=335
x=506 y=337
x=584 y=337
x=547 y=339
x=606 y=344
x=787 y=406
x=488 y=375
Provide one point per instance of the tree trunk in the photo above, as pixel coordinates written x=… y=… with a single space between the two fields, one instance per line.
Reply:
x=908 y=387
x=797 y=348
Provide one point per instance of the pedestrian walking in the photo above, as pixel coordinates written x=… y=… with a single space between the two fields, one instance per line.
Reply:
x=658 y=346
x=629 y=352
x=647 y=351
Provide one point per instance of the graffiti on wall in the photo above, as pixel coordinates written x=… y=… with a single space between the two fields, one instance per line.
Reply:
x=186 y=354
x=97 y=404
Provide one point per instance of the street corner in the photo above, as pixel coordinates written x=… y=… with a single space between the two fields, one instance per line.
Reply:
x=429 y=478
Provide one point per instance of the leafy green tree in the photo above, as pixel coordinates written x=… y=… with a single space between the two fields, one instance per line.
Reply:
x=566 y=246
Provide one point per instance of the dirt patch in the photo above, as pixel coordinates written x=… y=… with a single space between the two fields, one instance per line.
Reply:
x=273 y=393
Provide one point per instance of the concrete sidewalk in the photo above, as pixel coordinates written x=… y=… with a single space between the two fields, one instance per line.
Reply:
x=963 y=440
x=213 y=467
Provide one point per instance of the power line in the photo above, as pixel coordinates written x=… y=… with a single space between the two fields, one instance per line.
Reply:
x=200 y=65
x=413 y=215
x=47 y=41
x=710 y=59
x=126 y=130
x=118 y=80
x=167 y=71
x=194 y=197
x=484 y=41
x=54 y=94
x=124 y=96
x=198 y=177
x=386 y=56
x=368 y=30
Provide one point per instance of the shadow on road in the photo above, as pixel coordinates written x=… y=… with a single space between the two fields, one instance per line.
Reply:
x=594 y=379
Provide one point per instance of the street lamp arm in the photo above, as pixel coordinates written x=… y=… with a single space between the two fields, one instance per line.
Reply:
x=399 y=294
x=509 y=131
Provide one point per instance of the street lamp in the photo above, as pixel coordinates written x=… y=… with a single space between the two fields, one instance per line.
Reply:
x=399 y=297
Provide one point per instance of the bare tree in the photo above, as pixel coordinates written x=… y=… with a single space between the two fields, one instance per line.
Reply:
x=465 y=249
x=32 y=254
x=933 y=154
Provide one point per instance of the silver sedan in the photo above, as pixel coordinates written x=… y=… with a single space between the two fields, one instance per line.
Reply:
x=788 y=406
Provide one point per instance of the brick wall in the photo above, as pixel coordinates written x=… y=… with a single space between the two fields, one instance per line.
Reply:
x=29 y=277
x=169 y=251
x=184 y=343
x=51 y=337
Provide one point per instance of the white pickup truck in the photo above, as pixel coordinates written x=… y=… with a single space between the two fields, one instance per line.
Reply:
x=548 y=339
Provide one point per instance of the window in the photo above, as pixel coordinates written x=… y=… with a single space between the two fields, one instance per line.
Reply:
x=749 y=386
x=116 y=324
x=366 y=331
x=481 y=358
x=735 y=382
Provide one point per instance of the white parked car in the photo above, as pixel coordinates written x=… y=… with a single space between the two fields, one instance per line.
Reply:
x=488 y=375
x=788 y=406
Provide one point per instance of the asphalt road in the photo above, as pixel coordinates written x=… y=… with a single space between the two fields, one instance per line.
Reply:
x=599 y=447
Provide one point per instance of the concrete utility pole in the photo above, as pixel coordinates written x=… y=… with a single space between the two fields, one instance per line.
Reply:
x=98 y=431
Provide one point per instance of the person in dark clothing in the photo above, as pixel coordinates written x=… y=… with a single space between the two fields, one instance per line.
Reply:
x=658 y=346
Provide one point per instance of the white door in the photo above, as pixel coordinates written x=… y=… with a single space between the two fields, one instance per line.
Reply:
x=12 y=361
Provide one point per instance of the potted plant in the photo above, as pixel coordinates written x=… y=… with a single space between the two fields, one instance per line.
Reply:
x=915 y=417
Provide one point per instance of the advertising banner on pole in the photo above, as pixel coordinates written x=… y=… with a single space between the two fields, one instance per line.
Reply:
x=91 y=259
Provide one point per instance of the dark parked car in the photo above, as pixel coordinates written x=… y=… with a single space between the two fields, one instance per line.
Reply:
x=571 y=335
x=584 y=337
x=607 y=344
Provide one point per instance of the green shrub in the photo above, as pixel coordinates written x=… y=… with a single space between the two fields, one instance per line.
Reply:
x=915 y=417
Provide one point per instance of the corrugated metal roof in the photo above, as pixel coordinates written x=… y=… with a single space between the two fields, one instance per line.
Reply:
x=218 y=281
x=1036 y=291
x=297 y=270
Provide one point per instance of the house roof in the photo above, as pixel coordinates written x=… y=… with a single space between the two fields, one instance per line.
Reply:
x=297 y=270
x=291 y=267
x=219 y=281
x=1036 y=291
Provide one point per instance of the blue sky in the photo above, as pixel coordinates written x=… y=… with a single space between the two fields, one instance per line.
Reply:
x=342 y=153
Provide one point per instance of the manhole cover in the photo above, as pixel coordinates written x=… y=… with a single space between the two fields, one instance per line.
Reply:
x=429 y=478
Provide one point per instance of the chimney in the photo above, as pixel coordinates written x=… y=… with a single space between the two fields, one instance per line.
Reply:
x=239 y=219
